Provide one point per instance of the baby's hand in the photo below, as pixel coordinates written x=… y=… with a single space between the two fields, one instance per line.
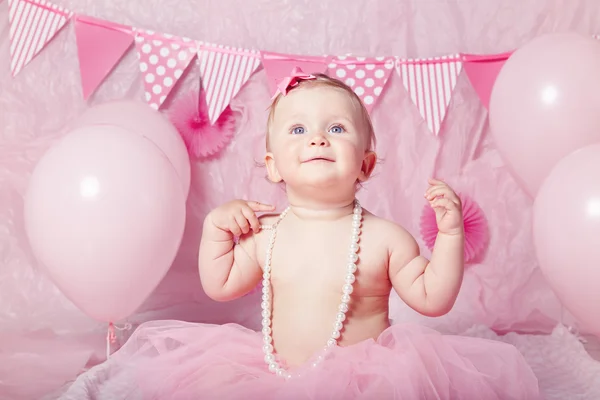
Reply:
x=447 y=206
x=238 y=216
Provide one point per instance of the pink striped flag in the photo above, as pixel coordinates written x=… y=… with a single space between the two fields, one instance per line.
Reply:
x=33 y=23
x=223 y=71
x=163 y=60
x=430 y=83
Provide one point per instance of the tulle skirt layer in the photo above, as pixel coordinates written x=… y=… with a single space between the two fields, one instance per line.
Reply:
x=180 y=361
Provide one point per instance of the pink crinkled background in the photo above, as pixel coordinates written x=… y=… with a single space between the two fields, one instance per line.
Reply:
x=42 y=330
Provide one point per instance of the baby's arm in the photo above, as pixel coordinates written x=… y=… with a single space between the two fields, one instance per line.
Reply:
x=229 y=270
x=429 y=287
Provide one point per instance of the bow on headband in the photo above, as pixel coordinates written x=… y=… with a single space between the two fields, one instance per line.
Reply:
x=286 y=83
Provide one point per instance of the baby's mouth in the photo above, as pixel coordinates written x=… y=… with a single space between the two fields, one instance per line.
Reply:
x=318 y=159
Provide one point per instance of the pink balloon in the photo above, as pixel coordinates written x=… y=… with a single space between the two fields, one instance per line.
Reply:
x=138 y=117
x=566 y=228
x=105 y=213
x=545 y=104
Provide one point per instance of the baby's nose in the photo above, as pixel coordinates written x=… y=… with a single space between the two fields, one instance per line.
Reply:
x=319 y=140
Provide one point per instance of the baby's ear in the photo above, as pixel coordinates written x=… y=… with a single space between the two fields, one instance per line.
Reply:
x=368 y=165
x=271 y=168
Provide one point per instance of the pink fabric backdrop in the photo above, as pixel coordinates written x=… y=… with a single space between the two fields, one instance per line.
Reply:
x=504 y=290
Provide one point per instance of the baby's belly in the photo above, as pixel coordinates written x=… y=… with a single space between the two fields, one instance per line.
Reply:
x=302 y=324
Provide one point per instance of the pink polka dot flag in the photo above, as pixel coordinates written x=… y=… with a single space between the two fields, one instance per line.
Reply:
x=366 y=76
x=163 y=59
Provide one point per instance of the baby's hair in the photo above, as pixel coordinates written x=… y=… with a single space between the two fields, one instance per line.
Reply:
x=324 y=80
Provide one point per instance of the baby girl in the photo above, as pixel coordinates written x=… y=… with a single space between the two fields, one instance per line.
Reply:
x=327 y=267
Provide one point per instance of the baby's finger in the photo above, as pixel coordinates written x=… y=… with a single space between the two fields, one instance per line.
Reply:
x=435 y=191
x=455 y=199
x=242 y=222
x=442 y=202
x=452 y=196
x=234 y=228
x=256 y=206
x=429 y=189
x=446 y=192
x=252 y=218
x=433 y=181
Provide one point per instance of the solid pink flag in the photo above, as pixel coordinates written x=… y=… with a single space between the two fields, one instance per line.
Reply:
x=482 y=73
x=100 y=46
x=279 y=65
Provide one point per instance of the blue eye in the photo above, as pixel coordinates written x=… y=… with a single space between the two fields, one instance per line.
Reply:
x=298 y=130
x=336 y=129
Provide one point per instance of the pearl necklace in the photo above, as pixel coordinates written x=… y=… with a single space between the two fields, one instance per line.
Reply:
x=345 y=299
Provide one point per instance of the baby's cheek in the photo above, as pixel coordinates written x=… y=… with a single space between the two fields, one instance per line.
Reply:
x=285 y=163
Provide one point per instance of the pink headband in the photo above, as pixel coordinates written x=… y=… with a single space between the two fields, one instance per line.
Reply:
x=285 y=84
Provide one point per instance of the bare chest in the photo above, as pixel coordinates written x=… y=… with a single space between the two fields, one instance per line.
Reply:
x=315 y=259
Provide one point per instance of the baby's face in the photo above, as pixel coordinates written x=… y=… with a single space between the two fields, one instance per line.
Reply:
x=317 y=138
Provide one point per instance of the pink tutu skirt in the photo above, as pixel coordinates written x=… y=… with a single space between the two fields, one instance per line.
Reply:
x=178 y=360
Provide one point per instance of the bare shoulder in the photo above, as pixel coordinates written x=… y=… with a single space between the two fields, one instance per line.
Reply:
x=398 y=241
x=386 y=227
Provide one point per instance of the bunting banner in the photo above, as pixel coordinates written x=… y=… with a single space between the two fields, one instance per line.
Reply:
x=100 y=46
x=278 y=65
x=33 y=23
x=223 y=71
x=482 y=74
x=430 y=83
x=163 y=60
x=366 y=76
